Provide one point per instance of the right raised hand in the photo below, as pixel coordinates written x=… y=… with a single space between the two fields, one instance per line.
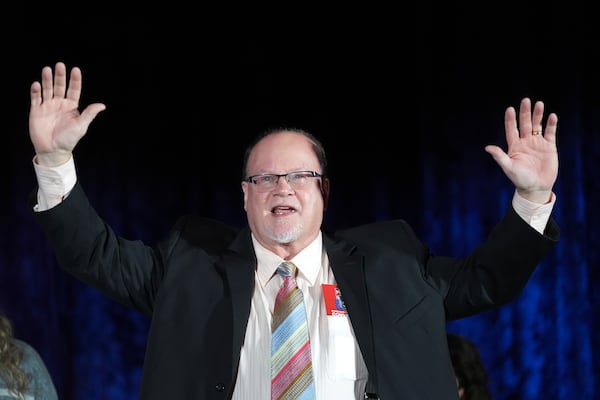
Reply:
x=55 y=123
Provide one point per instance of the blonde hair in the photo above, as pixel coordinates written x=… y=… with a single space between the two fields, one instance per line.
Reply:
x=10 y=359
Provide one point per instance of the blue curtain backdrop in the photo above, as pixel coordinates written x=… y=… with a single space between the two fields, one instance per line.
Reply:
x=405 y=109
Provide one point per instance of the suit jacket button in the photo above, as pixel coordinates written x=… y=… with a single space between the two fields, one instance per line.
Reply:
x=219 y=387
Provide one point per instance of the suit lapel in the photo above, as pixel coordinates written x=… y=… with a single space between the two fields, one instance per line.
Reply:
x=239 y=266
x=349 y=271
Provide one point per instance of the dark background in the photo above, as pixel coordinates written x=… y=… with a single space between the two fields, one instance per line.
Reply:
x=405 y=98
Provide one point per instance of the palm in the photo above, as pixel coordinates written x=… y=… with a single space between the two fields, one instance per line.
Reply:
x=533 y=163
x=53 y=125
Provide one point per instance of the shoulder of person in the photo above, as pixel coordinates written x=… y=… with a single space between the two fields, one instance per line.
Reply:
x=205 y=231
x=383 y=233
x=41 y=385
x=379 y=227
x=24 y=346
x=30 y=354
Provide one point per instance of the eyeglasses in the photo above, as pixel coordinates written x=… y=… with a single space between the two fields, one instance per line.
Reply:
x=296 y=179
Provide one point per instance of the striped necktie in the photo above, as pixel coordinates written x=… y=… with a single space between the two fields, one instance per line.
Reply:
x=291 y=365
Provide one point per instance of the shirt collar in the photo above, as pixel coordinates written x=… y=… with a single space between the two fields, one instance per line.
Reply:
x=308 y=261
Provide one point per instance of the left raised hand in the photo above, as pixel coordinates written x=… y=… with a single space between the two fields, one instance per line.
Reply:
x=531 y=161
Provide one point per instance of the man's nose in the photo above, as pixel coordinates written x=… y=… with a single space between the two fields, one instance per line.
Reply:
x=285 y=185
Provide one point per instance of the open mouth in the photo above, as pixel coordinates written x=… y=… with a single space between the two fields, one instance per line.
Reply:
x=282 y=210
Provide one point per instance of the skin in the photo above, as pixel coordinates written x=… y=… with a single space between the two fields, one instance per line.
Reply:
x=531 y=162
x=55 y=123
x=284 y=220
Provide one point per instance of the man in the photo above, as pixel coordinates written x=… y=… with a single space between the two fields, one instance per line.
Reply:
x=210 y=289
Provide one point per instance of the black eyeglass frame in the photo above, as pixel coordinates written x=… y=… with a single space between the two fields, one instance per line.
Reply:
x=312 y=174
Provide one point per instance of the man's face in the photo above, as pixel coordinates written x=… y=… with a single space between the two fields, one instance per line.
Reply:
x=284 y=219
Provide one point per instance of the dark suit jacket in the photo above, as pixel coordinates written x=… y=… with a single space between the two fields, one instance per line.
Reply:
x=196 y=286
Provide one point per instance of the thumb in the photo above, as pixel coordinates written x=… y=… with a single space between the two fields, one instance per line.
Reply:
x=90 y=112
x=499 y=155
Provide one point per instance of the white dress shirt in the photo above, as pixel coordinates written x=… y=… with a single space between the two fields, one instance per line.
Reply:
x=338 y=366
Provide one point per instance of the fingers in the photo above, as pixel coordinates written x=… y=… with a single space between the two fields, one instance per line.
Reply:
x=36 y=94
x=525 y=121
x=536 y=119
x=47 y=89
x=551 y=127
x=56 y=87
x=531 y=122
x=74 y=91
x=90 y=112
x=60 y=81
x=499 y=155
x=510 y=125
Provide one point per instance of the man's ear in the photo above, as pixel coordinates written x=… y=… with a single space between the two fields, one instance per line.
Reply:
x=325 y=192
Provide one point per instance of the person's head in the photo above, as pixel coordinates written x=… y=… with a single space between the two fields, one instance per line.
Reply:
x=10 y=358
x=285 y=213
x=471 y=375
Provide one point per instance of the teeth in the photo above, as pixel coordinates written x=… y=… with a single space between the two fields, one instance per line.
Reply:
x=280 y=210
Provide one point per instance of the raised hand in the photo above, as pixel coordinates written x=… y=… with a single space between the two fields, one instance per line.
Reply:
x=55 y=123
x=531 y=161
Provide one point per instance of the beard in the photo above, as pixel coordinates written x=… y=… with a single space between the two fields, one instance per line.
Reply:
x=283 y=234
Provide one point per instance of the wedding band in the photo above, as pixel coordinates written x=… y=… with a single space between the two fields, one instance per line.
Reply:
x=535 y=133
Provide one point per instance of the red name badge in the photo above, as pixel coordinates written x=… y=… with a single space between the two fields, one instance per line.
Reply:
x=334 y=305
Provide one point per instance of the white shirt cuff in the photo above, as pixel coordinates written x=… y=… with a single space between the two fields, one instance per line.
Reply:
x=54 y=183
x=536 y=215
